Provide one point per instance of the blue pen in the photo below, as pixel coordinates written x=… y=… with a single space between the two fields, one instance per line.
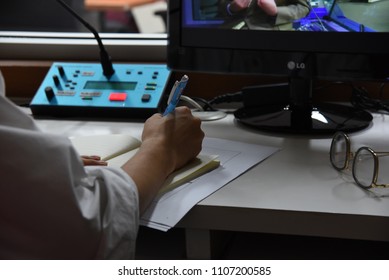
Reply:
x=175 y=94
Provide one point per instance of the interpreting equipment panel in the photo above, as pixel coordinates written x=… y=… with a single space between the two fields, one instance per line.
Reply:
x=82 y=90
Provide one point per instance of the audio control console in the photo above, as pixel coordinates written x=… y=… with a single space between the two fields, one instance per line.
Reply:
x=82 y=90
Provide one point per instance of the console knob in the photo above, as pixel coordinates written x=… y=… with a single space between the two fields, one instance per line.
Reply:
x=56 y=80
x=61 y=70
x=49 y=93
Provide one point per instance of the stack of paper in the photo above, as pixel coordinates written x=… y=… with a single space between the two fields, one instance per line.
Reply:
x=235 y=158
x=220 y=162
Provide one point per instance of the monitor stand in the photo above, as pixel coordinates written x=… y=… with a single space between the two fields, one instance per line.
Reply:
x=300 y=115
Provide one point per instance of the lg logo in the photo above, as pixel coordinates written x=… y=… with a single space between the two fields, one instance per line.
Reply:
x=295 y=65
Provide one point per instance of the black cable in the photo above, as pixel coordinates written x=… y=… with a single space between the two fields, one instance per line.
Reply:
x=381 y=92
x=360 y=99
x=227 y=98
x=207 y=106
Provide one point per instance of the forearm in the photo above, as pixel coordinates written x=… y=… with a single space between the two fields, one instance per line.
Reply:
x=149 y=168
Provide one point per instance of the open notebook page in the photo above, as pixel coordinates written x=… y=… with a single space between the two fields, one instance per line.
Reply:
x=105 y=146
x=200 y=165
x=117 y=149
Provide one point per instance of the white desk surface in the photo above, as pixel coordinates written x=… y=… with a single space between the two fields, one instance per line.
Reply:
x=296 y=191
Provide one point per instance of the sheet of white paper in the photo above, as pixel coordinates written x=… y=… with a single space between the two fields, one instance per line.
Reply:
x=235 y=157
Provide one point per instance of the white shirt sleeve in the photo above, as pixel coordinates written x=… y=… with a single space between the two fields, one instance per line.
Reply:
x=51 y=207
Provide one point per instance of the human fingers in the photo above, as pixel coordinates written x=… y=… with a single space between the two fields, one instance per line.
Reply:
x=238 y=5
x=188 y=136
x=93 y=160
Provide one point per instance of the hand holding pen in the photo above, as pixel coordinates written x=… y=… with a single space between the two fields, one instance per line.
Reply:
x=175 y=94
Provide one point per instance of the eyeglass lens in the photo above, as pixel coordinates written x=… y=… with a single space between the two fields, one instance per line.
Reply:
x=364 y=167
x=339 y=151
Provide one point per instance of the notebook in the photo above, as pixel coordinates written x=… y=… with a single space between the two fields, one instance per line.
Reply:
x=117 y=149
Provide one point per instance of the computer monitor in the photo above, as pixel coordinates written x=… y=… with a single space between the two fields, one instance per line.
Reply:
x=342 y=40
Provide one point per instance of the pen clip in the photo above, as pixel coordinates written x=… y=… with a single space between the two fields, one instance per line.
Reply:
x=172 y=91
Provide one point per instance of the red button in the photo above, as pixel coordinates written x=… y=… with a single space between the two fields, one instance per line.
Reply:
x=117 y=96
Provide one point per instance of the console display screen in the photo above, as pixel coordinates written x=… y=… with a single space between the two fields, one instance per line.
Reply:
x=110 y=85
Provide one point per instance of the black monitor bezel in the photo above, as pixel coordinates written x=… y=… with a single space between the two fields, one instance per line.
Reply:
x=343 y=49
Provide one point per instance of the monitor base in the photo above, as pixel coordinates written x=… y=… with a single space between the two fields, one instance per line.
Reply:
x=317 y=119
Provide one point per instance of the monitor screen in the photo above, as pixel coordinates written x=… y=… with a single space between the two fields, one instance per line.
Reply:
x=299 y=39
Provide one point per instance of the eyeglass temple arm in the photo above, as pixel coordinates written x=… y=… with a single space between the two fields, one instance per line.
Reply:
x=382 y=154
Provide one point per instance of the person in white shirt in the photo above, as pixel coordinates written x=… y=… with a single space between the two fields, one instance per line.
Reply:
x=53 y=206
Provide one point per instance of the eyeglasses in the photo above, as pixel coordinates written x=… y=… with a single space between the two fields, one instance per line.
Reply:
x=365 y=162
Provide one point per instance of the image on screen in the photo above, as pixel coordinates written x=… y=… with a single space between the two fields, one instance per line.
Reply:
x=298 y=15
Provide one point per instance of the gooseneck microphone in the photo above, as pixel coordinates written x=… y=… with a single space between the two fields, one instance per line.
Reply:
x=105 y=59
